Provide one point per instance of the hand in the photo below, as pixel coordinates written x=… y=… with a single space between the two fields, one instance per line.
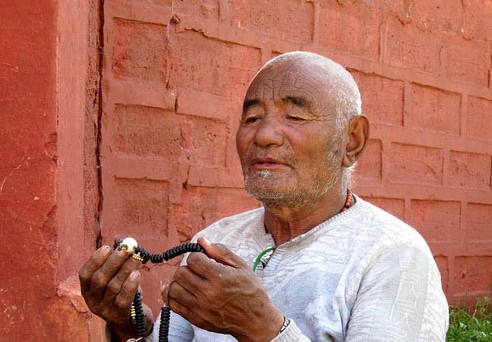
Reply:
x=219 y=292
x=108 y=282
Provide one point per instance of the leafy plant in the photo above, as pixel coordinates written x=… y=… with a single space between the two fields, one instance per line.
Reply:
x=467 y=325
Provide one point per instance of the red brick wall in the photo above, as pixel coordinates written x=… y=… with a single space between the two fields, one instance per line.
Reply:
x=48 y=182
x=156 y=158
x=27 y=163
x=428 y=94
x=174 y=76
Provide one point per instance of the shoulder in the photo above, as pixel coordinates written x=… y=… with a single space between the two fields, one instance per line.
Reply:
x=235 y=226
x=374 y=234
x=377 y=224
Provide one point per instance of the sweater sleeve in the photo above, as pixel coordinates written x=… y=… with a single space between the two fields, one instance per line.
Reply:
x=111 y=338
x=180 y=330
x=400 y=299
x=291 y=334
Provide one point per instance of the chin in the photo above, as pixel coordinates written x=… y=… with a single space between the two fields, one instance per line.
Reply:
x=267 y=190
x=275 y=197
x=286 y=202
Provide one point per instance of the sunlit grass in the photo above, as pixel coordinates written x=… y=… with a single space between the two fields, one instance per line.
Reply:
x=471 y=327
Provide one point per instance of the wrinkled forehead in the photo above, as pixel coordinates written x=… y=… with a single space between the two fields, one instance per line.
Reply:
x=316 y=79
x=287 y=79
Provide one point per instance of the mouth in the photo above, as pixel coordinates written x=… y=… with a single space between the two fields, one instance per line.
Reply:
x=267 y=163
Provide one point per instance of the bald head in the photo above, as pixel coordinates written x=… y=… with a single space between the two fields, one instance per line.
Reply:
x=337 y=83
x=301 y=110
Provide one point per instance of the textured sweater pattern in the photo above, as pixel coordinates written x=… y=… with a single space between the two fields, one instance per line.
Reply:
x=362 y=275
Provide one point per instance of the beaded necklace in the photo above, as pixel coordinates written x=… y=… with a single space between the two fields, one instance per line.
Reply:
x=267 y=253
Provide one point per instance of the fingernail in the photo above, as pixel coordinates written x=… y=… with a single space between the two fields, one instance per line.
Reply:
x=134 y=275
x=120 y=252
x=105 y=250
x=206 y=241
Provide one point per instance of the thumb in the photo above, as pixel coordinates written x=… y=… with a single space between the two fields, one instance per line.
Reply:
x=221 y=253
x=165 y=293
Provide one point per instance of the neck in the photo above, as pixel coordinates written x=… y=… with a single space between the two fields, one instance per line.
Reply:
x=285 y=223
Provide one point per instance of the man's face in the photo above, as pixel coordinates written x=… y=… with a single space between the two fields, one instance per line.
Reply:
x=287 y=140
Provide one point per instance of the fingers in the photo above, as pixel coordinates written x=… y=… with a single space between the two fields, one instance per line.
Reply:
x=124 y=273
x=179 y=298
x=109 y=279
x=98 y=259
x=221 y=253
x=189 y=280
x=115 y=270
x=124 y=297
x=165 y=293
x=184 y=290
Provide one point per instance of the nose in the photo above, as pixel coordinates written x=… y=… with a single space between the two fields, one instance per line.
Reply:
x=269 y=131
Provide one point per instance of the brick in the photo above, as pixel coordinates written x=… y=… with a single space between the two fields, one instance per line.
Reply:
x=340 y=29
x=478 y=222
x=412 y=164
x=232 y=159
x=382 y=98
x=262 y=18
x=155 y=11
x=148 y=94
x=442 y=264
x=210 y=176
x=473 y=273
x=437 y=16
x=194 y=211
x=469 y=170
x=476 y=19
x=200 y=175
x=204 y=16
x=202 y=206
x=208 y=105
x=434 y=110
x=395 y=206
x=435 y=220
x=369 y=166
x=406 y=46
x=140 y=208
x=207 y=9
x=204 y=141
x=258 y=18
x=146 y=131
x=235 y=201
x=468 y=61
x=139 y=50
x=479 y=118
x=213 y=66
x=383 y=6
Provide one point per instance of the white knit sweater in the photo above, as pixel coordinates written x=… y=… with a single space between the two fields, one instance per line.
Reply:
x=362 y=275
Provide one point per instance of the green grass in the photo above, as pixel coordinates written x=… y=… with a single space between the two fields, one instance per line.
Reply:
x=471 y=325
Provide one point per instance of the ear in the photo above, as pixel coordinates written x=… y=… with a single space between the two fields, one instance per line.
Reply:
x=357 y=136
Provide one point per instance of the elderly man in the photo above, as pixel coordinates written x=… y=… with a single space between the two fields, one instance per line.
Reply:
x=316 y=262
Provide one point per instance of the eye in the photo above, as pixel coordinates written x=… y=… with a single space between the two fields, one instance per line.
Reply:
x=252 y=114
x=295 y=114
x=250 y=119
x=296 y=118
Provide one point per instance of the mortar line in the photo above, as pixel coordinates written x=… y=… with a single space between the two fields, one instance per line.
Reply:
x=100 y=58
